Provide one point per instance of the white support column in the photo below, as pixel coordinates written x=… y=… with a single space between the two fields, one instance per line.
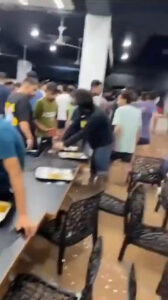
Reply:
x=23 y=67
x=95 y=49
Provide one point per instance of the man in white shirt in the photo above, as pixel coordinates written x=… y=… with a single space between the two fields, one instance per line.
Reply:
x=128 y=123
x=63 y=101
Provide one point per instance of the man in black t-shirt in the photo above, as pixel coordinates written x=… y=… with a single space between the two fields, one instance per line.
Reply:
x=22 y=111
x=91 y=125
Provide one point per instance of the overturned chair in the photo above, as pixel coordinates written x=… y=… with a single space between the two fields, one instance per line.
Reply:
x=146 y=170
x=136 y=233
x=71 y=227
x=31 y=287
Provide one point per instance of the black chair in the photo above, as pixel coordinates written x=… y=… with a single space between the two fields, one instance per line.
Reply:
x=112 y=205
x=163 y=201
x=69 y=228
x=136 y=233
x=162 y=289
x=146 y=170
x=30 y=287
x=132 y=284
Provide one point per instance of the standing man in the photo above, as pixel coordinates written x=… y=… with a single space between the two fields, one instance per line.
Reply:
x=46 y=112
x=127 y=127
x=12 y=153
x=4 y=93
x=20 y=105
x=63 y=101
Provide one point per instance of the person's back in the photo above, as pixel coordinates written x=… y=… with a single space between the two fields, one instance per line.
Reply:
x=63 y=101
x=9 y=135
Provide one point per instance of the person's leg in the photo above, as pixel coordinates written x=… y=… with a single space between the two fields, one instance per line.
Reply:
x=115 y=155
x=101 y=160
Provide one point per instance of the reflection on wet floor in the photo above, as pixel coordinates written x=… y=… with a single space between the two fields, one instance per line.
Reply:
x=40 y=256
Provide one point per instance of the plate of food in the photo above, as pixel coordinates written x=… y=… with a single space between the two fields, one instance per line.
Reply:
x=5 y=208
x=73 y=155
x=54 y=174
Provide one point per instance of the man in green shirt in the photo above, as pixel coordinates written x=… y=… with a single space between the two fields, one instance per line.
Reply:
x=46 y=112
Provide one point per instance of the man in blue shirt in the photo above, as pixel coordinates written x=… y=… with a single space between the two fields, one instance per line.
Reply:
x=12 y=153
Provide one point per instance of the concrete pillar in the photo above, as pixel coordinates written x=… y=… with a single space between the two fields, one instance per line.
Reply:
x=23 y=67
x=97 y=33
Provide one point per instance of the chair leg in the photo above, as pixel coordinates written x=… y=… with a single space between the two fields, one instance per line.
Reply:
x=157 y=206
x=60 y=258
x=165 y=220
x=123 y=249
x=94 y=236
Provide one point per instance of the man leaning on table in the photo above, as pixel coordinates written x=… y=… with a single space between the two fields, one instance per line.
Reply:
x=12 y=153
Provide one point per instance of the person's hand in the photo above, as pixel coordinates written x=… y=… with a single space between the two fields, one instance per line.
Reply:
x=27 y=225
x=30 y=144
x=51 y=132
x=59 y=146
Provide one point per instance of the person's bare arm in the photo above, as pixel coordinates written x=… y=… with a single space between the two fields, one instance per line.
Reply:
x=41 y=126
x=117 y=130
x=15 y=174
x=25 y=128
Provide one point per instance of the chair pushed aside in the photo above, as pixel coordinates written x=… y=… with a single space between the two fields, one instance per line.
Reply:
x=112 y=205
x=162 y=289
x=136 y=233
x=71 y=227
x=146 y=170
x=31 y=287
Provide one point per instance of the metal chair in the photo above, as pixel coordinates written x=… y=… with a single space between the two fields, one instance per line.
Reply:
x=163 y=200
x=69 y=228
x=136 y=233
x=29 y=286
x=162 y=289
x=132 y=284
x=146 y=170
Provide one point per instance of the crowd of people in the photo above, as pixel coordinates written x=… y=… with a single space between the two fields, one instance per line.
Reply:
x=33 y=111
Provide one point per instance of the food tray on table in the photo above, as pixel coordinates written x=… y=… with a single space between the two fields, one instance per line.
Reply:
x=73 y=155
x=5 y=209
x=54 y=174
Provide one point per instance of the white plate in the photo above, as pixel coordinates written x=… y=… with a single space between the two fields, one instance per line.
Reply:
x=47 y=173
x=71 y=149
x=73 y=155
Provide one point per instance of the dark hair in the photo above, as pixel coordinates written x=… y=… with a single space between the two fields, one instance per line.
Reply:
x=129 y=96
x=84 y=99
x=31 y=80
x=32 y=74
x=51 y=87
x=95 y=83
x=17 y=85
x=152 y=95
x=44 y=82
x=145 y=96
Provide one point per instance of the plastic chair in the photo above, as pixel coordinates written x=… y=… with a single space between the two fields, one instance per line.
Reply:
x=162 y=289
x=69 y=228
x=29 y=286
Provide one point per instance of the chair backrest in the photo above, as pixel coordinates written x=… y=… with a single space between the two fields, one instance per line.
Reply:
x=82 y=215
x=132 y=284
x=93 y=268
x=163 y=197
x=134 y=209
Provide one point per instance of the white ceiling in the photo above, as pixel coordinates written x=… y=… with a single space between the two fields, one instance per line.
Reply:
x=39 y=3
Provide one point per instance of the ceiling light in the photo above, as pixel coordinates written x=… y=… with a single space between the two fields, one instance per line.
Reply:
x=127 y=43
x=53 y=48
x=24 y=2
x=124 y=56
x=34 y=32
x=59 y=3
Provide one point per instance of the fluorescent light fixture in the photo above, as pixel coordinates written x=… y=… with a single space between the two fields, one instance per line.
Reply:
x=35 y=32
x=59 y=4
x=124 y=56
x=53 y=48
x=127 y=43
x=24 y=2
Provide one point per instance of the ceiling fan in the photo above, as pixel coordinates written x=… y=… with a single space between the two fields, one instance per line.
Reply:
x=58 y=40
